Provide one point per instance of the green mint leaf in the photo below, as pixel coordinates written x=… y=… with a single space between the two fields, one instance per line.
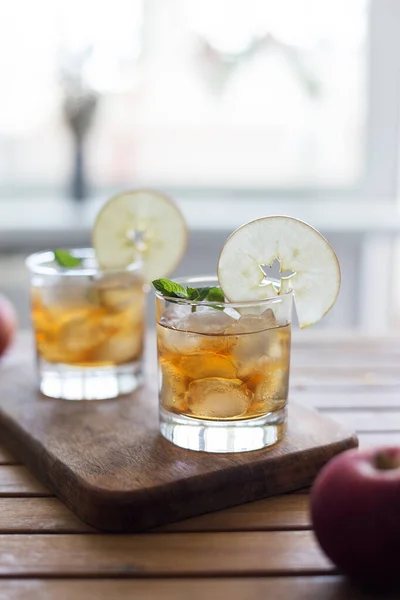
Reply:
x=211 y=294
x=203 y=292
x=169 y=288
x=65 y=259
x=215 y=294
x=166 y=287
x=192 y=293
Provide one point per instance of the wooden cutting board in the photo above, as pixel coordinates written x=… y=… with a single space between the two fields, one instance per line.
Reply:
x=107 y=461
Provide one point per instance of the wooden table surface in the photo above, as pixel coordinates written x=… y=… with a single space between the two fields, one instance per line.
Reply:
x=261 y=550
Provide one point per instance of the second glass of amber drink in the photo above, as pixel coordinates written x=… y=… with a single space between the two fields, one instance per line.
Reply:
x=88 y=325
x=224 y=370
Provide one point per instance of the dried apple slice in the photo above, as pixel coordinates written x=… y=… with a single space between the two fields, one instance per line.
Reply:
x=140 y=224
x=300 y=248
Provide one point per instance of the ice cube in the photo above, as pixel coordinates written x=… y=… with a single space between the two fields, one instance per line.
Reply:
x=116 y=292
x=272 y=390
x=64 y=293
x=218 y=398
x=253 y=338
x=249 y=349
x=232 y=312
x=81 y=333
x=279 y=346
x=202 y=365
x=195 y=332
x=171 y=314
x=128 y=319
x=172 y=388
x=178 y=342
x=253 y=323
x=206 y=320
x=120 y=298
x=122 y=347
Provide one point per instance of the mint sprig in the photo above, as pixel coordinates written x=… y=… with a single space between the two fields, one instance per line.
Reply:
x=65 y=259
x=170 y=289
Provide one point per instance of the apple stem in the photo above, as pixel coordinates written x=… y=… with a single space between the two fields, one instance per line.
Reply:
x=387 y=459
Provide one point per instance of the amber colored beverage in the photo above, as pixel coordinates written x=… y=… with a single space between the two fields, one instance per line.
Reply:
x=92 y=324
x=88 y=325
x=229 y=376
x=224 y=370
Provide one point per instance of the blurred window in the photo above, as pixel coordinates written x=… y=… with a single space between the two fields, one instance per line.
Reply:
x=266 y=95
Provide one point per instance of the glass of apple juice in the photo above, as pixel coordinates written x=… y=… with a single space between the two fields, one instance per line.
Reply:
x=88 y=325
x=224 y=369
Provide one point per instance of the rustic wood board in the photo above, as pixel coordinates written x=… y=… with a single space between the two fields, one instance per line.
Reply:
x=329 y=587
x=107 y=461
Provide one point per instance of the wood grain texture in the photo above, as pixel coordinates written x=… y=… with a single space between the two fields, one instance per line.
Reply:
x=177 y=563
x=15 y=480
x=155 y=555
x=109 y=464
x=50 y=515
x=36 y=515
x=284 y=512
x=330 y=587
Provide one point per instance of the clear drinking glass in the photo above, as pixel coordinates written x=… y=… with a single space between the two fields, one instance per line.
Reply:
x=224 y=370
x=88 y=326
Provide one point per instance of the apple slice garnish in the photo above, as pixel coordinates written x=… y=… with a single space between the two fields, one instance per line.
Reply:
x=140 y=224
x=308 y=265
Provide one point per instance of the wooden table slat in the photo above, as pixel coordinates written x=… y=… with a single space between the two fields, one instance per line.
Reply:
x=309 y=358
x=38 y=515
x=371 y=399
x=332 y=379
x=259 y=550
x=16 y=480
x=348 y=339
x=33 y=515
x=155 y=555
x=331 y=587
x=290 y=511
x=346 y=371
x=367 y=420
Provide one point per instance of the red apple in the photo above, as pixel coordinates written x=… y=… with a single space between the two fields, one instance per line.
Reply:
x=355 y=510
x=8 y=323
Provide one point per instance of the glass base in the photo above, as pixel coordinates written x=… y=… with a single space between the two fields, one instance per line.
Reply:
x=88 y=383
x=223 y=436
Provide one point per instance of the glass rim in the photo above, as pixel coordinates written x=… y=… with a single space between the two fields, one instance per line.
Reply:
x=214 y=278
x=36 y=263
